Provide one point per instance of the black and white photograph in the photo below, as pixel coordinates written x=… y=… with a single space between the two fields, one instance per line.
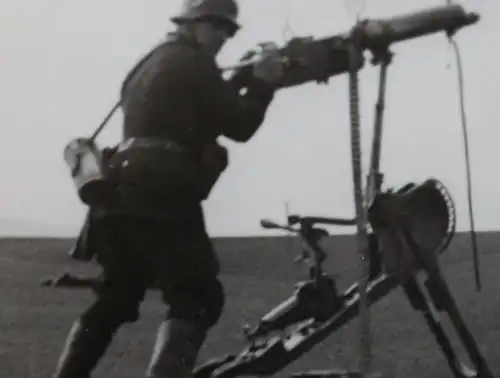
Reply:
x=249 y=188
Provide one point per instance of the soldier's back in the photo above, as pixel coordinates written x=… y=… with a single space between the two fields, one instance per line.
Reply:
x=160 y=96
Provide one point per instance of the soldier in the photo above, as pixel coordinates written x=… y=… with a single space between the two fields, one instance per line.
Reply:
x=175 y=104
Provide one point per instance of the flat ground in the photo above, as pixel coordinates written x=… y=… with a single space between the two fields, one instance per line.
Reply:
x=258 y=273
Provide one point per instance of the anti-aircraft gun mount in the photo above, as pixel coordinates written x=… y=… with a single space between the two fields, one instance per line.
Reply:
x=415 y=224
x=410 y=227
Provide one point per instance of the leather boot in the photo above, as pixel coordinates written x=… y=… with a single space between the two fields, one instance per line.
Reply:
x=83 y=349
x=178 y=343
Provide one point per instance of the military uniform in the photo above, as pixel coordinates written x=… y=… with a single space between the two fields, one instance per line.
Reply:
x=175 y=105
x=184 y=107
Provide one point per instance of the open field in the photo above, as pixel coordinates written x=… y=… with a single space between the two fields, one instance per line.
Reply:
x=258 y=273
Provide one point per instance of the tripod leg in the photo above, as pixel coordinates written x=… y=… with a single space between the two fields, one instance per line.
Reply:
x=447 y=302
x=418 y=301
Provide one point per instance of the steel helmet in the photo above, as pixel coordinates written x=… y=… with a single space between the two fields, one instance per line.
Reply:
x=224 y=10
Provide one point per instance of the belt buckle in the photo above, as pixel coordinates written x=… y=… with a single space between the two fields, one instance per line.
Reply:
x=167 y=145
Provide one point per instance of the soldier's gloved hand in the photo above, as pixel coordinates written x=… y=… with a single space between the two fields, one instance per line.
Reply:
x=270 y=67
x=240 y=77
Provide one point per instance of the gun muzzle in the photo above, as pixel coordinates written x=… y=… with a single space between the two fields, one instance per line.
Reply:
x=448 y=18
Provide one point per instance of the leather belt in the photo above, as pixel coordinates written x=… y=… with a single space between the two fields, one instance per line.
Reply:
x=150 y=143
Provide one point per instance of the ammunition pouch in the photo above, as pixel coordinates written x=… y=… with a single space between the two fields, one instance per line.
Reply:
x=214 y=161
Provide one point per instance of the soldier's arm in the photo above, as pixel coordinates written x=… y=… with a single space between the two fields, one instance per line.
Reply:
x=238 y=116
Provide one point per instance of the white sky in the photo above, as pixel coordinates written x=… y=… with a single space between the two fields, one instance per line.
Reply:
x=63 y=61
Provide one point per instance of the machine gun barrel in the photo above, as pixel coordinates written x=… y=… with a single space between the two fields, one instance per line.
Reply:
x=447 y=18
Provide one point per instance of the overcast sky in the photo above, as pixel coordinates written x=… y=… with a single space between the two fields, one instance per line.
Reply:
x=63 y=62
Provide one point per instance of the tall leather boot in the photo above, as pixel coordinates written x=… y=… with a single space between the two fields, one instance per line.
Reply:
x=178 y=343
x=83 y=349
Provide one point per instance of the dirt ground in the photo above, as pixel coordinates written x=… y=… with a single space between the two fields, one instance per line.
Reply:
x=258 y=273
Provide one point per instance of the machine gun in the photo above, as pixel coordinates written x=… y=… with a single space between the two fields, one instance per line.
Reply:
x=306 y=59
